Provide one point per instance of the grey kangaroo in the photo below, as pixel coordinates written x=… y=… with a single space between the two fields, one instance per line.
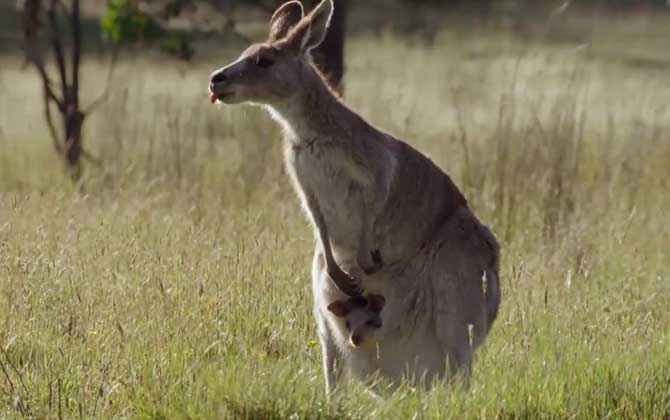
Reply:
x=387 y=220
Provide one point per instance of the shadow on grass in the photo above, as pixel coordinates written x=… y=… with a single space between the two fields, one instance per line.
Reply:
x=276 y=410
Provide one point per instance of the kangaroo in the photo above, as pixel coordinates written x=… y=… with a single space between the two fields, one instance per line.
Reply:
x=354 y=324
x=382 y=211
x=361 y=316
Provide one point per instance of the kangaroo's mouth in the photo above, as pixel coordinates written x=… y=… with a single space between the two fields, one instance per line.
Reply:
x=220 y=92
x=219 y=96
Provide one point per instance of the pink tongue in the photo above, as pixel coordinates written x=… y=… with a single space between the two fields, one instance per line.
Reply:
x=212 y=97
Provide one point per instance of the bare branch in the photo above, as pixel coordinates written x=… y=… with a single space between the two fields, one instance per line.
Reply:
x=57 y=46
x=46 y=82
x=64 y=30
x=110 y=71
x=31 y=25
x=31 y=12
x=75 y=23
x=49 y=96
x=52 y=129
x=89 y=157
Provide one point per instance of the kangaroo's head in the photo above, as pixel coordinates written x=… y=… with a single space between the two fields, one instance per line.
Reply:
x=362 y=317
x=271 y=71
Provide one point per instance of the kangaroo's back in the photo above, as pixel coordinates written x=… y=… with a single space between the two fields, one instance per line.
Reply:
x=420 y=189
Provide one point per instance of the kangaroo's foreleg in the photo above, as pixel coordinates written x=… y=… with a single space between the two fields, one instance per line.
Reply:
x=346 y=283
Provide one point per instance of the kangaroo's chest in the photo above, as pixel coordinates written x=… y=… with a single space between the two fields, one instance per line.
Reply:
x=313 y=169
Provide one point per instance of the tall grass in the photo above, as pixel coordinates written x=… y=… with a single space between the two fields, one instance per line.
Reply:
x=175 y=283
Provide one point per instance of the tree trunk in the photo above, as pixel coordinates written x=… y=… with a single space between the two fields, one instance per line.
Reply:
x=55 y=13
x=74 y=120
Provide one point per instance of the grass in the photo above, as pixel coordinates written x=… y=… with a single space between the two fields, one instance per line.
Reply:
x=176 y=284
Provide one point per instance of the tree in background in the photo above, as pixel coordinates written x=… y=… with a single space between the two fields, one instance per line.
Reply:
x=44 y=23
x=124 y=22
x=128 y=21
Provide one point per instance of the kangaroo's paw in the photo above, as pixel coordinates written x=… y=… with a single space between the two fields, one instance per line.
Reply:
x=370 y=262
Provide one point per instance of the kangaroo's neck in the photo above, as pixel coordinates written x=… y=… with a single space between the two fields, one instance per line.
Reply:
x=315 y=112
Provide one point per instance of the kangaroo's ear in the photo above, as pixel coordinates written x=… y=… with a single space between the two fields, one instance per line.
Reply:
x=320 y=19
x=376 y=302
x=284 y=18
x=339 y=308
x=311 y=30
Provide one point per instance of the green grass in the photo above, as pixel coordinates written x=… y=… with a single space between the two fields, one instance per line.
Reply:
x=176 y=284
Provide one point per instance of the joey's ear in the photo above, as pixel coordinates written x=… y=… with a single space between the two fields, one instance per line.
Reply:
x=339 y=308
x=376 y=302
x=284 y=18
x=311 y=30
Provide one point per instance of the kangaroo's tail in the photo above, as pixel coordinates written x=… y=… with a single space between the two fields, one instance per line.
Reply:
x=492 y=282
x=492 y=295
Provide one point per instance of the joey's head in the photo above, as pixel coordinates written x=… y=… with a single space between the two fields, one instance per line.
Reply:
x=362 y=317
x=271 y=71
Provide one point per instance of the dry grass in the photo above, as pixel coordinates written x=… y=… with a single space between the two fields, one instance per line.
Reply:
x=176 y=285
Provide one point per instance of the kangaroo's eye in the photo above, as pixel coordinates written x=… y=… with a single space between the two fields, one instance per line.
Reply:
x=348 y=324
x=374 y=323
x=264 y=62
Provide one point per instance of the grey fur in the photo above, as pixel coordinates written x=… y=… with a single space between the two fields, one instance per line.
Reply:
x=378 y=197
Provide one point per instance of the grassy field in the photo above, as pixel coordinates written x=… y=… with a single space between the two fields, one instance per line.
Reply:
x=175 y=282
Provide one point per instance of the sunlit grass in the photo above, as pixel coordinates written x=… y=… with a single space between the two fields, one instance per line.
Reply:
x=175 y=282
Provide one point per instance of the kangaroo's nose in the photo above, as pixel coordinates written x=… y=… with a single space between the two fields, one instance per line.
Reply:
x=218 y=78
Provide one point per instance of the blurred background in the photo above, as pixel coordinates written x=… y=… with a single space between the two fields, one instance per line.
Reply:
x=110 y=44
x=138 y=222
